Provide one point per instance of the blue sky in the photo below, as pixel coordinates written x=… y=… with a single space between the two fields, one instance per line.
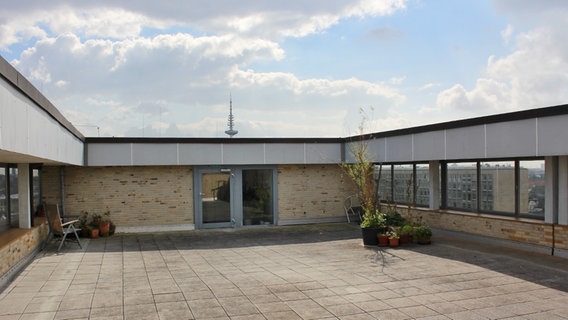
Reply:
x=293 y=69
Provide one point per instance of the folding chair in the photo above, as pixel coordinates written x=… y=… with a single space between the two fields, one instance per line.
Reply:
x=59 y=229
x=351 y=208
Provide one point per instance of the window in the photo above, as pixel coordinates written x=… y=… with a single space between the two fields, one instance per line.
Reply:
x=36 y=189
x=4 y=216
x=531 y=188
x=500 y=185
x=461 y=195
x=403 y=184
x=422 y=185
x=385 y=182
x=407 y=184
x=14 y=197
x=514 y=187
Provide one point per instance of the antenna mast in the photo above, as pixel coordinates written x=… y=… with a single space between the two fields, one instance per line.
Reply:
x=231 y=123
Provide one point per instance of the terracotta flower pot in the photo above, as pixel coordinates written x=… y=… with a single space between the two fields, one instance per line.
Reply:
x=383 y=240
x=94 y=233
x=104 y=228
x=393 y=242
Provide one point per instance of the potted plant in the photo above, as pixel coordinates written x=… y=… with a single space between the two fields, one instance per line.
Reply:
x=406 y=233
x=104 y=224
x=84 y=224
x=423 y=234
x=393 y=238
x=373 y=224
x=95 y=220
x=361 y=171
x=383 y=239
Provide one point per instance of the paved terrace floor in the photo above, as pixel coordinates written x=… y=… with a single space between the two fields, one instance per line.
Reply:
x=294 y=272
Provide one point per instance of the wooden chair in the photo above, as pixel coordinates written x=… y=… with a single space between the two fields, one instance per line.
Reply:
x=57 y=228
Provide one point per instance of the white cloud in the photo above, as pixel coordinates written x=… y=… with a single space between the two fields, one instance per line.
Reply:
x=124 y=19
x=534 y=74
x=507 y=33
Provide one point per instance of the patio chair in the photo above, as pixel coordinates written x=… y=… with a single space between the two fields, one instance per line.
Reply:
x=59 y=229
x=352 y=208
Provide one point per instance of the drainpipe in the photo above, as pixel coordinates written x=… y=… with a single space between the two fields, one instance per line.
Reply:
x=553 y=240
x=62 y=189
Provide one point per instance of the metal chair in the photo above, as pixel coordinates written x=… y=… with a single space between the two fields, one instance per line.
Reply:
x=352 y=208
x=57 y=228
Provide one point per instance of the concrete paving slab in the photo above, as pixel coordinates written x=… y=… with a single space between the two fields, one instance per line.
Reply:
x=292 y=272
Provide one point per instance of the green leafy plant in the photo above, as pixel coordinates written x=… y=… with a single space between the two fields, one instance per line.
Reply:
x=374 y=220
x=407 y=230
x=393 y=234
x=361 y=171
x=422 y=232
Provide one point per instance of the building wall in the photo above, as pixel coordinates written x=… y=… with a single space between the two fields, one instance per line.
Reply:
x=135 y=196
x=21 y=244
x=519 y=230
x=312 y=192
x=163 y=195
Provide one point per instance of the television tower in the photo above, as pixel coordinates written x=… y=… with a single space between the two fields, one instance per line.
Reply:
x=231 y=123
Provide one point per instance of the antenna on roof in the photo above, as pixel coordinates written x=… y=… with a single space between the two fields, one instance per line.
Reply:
x=231 y=123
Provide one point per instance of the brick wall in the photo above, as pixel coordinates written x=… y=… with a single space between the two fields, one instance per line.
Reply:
x=21 y=243
x=135 y=196
x=312 y=191
x=520 y=230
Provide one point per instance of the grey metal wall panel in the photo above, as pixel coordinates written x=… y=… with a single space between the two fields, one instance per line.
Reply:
x=399 y=148
x=375 y=150
x=552 y=136
x=109 y=154
x=511 y=139
x=243 y=153
x=154 y=154
x=429 y=146
x=323 y=153
x=31 y=134
x=200 y=154
x=465 y=143
x=284 y=153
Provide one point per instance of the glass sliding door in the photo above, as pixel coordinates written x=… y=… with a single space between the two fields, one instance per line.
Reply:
x=216 y=198
x=257 y=190
x=234 y=196
x=4 y=196
x=14 y=198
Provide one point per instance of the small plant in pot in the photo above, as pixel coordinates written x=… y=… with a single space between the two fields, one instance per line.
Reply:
x=95 y=220
x=394 y=238
x=423 y=234
x=373 y=224
x=383 y=239
x=104 y=224
x=84 y=224
x=406 y=233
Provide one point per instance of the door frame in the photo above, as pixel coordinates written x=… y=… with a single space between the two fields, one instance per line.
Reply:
x=236 y=194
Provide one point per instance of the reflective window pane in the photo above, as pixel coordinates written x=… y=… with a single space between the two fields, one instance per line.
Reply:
x=497 y=187
x=531 y=188
x=4 y=217
x=403 y=184
x=14 y=208
x=385 y=191
x=422 y=185
x=462 y=186
x=216 y=197
x=258 y=195
x=36 y=189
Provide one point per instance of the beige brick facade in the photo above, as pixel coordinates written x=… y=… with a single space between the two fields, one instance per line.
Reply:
x=312 y=191
x=520 y=230
x=135 y=196
x=150 y=196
